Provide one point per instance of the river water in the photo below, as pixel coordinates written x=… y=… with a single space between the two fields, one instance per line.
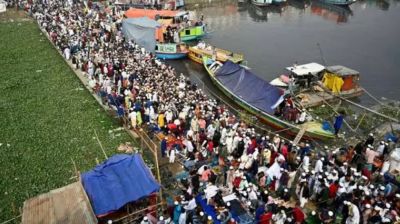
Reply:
x=364 y=37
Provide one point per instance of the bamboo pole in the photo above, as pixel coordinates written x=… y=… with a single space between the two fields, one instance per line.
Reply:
x=101 y=146
x=366 y=108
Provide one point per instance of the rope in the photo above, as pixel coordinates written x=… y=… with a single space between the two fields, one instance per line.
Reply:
x=374 y=98
x=323 y=99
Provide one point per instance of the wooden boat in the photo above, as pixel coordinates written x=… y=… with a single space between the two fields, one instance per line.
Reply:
x=176 y=18
x=325 y=83
x=169 y=51
x=339 y=2
x=234 y=80
x=192 y=33
x=196 y=53
x=261 y=2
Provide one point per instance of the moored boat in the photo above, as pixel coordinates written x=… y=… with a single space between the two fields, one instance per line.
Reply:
x=314 y=84
x=261 y=2
x=170 y=51
x=193 y=32
x=339 y=2
x=188 y=30
x=258 y=97
x=196 y=53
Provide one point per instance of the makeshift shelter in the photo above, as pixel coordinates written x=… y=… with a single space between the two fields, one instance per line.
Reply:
x=349 y=76
x=142 y=31
x=3 y=6
x=119 y=180
x=68 y=204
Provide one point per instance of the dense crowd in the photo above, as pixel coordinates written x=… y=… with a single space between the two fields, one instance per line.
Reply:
x=236 y=174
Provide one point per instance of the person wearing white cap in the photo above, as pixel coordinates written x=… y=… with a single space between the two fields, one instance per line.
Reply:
x=371 y=154
x=319 y=166
x=366 y=213
x=354 y=213
x=161 y=220
x=145 y=220
x=304 y=194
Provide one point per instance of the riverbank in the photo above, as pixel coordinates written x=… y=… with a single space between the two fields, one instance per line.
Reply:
x=48 y=118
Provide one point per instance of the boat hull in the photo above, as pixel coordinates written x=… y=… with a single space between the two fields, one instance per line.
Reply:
x=266 y=118
x=340 y=3
x=222 y=55
x=262 y=4
x=171 y=56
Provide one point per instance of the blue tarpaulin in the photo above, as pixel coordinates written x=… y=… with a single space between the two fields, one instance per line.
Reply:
x=119 y=180
x=249 y=87
x=142 y=31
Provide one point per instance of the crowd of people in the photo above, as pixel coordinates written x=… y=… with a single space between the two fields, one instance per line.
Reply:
x=236 y=174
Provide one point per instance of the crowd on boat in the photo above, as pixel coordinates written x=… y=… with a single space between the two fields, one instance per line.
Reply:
x=236 y=174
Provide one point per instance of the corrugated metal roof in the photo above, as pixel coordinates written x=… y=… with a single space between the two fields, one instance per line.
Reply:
x=305 y=69
x=68 y=204
x=342 y=70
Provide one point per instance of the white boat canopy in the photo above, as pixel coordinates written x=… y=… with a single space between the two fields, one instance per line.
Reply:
x=305 y=69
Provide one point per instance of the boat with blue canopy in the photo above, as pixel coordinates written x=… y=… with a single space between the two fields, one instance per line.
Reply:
x=262 y=99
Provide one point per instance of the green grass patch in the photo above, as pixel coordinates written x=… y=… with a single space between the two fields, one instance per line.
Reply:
x=47 y=119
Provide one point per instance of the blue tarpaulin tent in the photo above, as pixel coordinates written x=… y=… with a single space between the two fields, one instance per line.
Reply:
x=119 y=180
x=249 y=87
x=142 y=31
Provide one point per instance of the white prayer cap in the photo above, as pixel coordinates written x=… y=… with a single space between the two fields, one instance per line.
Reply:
x=364 y=177
x=228 y=204
x=330 y=213
x=307 y=145
x=346 y=202
x=209 y=217
x=382 y=188
x=367 y=193
x=201 y=213
x=176 y=203
x=377 y=208
x=371 y=186
x=219 y=217
x=367 y=206
x=248 y=203
x=231 y=167
x=387 y=205
x=322 y=159
x=109 y=222
x=326 y=147
x=265 y=192
x=369 y=146
x=313 y=213
x=370 y=134
x=161 y=218
x=286 y=190
x=145 y=218
x=397 y=195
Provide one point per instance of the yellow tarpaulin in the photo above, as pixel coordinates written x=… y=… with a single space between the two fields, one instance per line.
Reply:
x=333 y=82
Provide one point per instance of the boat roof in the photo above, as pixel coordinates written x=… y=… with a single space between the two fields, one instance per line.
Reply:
x=342 y=70
x=304 y=69
x=151 y=13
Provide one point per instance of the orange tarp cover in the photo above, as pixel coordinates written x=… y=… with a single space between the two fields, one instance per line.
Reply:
x=136 y=13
